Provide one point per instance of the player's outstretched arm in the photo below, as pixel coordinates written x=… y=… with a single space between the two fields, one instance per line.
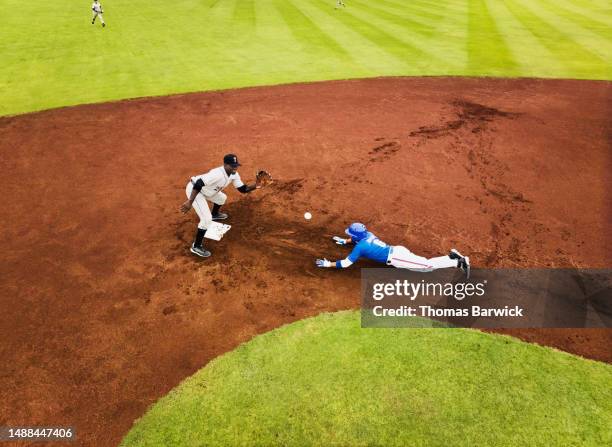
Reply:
x=324 y=263
x=244 y=189
x=346 y=262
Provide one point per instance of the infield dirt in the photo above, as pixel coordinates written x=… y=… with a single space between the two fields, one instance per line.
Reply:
x=104 y=310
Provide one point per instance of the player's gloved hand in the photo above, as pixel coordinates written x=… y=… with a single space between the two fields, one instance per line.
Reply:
x=339 y=240
x=324 y=263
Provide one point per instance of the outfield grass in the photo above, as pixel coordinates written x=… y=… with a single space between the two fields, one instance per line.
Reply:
x=52 y=56
x=326 y=381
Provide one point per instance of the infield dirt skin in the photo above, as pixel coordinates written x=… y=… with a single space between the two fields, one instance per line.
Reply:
x=104 y=310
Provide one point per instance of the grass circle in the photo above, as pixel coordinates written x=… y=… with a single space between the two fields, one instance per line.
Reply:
x=327 y=381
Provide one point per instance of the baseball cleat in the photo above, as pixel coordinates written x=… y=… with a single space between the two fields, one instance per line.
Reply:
x=199 y=251
x=454 y=254
x=220 y=216
x=464 y=264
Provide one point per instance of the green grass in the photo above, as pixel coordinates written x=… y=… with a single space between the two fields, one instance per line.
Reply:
x=326 y=381
x=51 y=56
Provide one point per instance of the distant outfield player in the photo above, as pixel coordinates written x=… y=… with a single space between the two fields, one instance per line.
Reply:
x=367 y=245
x=340 y=3
x=97 y=10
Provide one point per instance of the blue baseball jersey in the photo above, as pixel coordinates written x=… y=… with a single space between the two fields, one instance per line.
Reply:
x=372 y=248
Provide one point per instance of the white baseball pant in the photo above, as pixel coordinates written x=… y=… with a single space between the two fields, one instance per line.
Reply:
x=403 y=258
x=200 y=205
x=97 y=14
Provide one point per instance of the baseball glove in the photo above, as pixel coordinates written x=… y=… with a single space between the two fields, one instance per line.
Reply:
x=263 y=178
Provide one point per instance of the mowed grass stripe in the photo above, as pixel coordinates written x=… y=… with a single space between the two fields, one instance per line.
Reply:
x=203 y=9
x=452 y=26
x=565 y=49
x=403 y=51
x=432 y=5
x=307 y=32
x=213 y=3
x=438 y=52
x=420 y=11
x=272 y=30
x=583 y=34
x=597 y=19
x=222 y=12
x=455 y=29
x=531 y=56
x=599 y=7
x=368 y=57
x=244 y=15
x=401 y=20
x=456 y=6
x=486 y=46
x=406 y=10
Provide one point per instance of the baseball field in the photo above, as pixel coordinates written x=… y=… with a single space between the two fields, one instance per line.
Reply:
x=477 y=124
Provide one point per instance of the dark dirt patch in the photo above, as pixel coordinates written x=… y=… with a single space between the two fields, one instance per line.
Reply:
x=103 y=308
x=476 y=116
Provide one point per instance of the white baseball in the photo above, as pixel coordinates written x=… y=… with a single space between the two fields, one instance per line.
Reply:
x=307 y=216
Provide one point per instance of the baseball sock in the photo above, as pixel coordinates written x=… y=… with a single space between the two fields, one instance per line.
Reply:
x=199 y=237
x=215 y=209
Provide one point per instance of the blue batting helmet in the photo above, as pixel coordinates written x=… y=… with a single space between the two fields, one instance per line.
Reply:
x=357 y=231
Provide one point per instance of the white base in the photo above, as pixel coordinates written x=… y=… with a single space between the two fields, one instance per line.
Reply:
x=216 y=231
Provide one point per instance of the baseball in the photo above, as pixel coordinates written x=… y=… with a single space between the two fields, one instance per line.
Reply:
x=307 y=216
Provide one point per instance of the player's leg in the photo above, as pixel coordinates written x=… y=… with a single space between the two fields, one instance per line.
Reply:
x=443 y=262
x=94 y=17
x=401 y=257
x=102 y=20
x=201 y=208
x=218 y=201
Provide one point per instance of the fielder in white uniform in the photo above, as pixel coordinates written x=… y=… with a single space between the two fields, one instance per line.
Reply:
x=96 y=7
x=208 y=188
x=367 y=245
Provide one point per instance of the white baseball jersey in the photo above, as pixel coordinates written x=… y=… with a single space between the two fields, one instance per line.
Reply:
x=217 y=180
x=96 y=7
